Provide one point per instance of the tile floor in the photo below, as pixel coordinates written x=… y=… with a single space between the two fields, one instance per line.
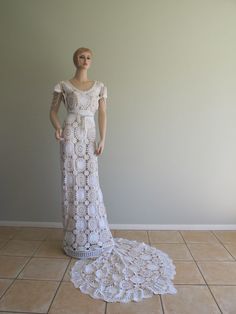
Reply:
x=34 y=273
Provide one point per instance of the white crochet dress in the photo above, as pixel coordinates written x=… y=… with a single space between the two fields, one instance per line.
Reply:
x=111 y=269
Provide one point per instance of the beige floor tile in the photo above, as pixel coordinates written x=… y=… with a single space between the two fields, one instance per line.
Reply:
x=209 y=251
x=218 y=272
x=32 y=233
x=10 y=266
x=190 y=300
x=187 y=272
x=52 y=248
x=4 y=284
x=226 y=236
x=198 y=236
x=149 y=306
x=225 y=297
x=165 y=236
x=70 y=300
x=44 y=268
x=20 y=248
x=176 y=251
x=138 y=235
x=3 y=243
x=29 y=296
x=55 y=234
x=231 y=247
x=7 y=233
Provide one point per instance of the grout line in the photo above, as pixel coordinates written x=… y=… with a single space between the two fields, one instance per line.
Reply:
x=36 y=279
x=67 y=267
x=33 y=256
x=223 y=244
x=30 y=258
x=55 y=294
x=196 y=262
x=214 y=299
x=187 y=246
x=193 y=259
x=7 y=241
x=215 y=235
x=7 y=287
x=162 y=305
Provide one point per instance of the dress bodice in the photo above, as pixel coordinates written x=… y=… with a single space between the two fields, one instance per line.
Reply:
x=76 y=99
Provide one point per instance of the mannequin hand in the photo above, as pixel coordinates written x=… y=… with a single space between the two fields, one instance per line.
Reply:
x=58 y=134
x=100 y=147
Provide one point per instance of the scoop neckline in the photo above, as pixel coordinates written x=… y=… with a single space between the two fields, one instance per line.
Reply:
x=83 y=91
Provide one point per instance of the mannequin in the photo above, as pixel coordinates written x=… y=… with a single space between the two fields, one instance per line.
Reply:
x=108 y=268
x=82 y=59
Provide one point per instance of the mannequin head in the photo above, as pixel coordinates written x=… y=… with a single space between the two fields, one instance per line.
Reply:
x=82 y=58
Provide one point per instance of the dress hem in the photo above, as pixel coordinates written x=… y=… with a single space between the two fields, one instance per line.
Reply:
x=84 y=255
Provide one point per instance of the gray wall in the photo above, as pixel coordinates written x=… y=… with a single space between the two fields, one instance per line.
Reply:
x=170 y=69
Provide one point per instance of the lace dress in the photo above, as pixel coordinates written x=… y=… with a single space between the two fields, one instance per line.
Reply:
x=108 y=268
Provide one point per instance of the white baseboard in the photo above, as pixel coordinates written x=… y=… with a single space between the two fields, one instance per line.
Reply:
x=123 y=226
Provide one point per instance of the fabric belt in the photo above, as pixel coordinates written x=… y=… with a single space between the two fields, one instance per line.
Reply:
x=85 y=117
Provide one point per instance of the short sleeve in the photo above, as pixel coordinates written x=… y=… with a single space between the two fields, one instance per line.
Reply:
x=58 y=95
x=103 y=92
x=57 y=88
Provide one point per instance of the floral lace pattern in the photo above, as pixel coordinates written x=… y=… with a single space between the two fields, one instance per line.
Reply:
x=130 y=271
x=86 y=230
x=123 y=270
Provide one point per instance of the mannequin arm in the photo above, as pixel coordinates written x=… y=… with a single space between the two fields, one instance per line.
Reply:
x=54 y=107
x=102 y=118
